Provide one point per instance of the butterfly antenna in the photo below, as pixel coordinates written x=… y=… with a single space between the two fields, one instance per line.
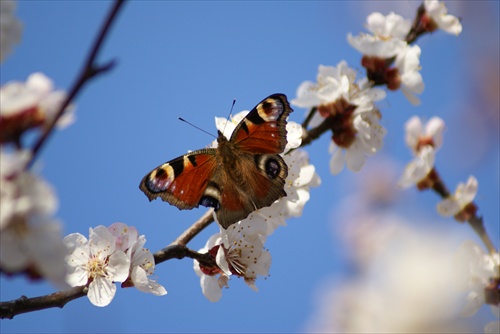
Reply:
x=229 y=116
x=196 y=127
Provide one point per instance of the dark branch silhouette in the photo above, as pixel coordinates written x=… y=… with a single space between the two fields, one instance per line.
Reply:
x=89 y=71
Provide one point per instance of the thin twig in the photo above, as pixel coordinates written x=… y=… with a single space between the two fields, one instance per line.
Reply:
x=478 y=226
x=196 y=228
x=175 y=251
x=89 y=71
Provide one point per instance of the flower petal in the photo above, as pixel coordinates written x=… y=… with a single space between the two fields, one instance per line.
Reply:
x=101 y=291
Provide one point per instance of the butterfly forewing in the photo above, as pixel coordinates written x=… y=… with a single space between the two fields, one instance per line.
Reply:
x=263 y=130
x=181 y=181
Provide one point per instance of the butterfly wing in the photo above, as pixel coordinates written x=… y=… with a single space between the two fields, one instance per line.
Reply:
x=263 y=130
x=183 y=181
x=258 y=138
x=243 y=174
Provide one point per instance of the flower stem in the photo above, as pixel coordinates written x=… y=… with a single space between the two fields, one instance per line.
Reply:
x=478 y=226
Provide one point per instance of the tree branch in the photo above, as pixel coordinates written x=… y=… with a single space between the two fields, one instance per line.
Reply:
x=24 y=305
x=89 y=71
x=477 y=225
x=196 y=228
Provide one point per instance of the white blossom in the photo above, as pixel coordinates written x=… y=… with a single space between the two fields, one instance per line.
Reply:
x=464 y=195
x=97 y=263
x=376 y=46
x=125 y=236
x=35 y=101
x=439 y=14
x=477 y=269
x=408 y=64
x=332 y=83
x=388 y=26
x=368 y=141
x=237 y=250
x=337 y=94
x=142 y=263
x=301 y=176
x=419 y=167
x=34 y=244
x=398 y=287
x=418 y=135
x=10 y=28
x=211 y=282
x=242 y=253
x=30 y=236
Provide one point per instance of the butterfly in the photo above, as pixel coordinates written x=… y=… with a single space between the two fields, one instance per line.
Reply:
x=241 y=175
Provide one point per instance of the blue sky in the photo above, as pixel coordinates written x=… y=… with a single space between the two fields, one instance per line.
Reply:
x=191 y=59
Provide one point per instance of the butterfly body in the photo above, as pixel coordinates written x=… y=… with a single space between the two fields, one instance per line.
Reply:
x=241 y=175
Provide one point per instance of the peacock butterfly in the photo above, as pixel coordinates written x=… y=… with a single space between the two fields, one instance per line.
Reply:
x=241 y=175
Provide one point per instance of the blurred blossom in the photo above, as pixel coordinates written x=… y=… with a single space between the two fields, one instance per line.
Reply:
x=10 y=28
x=478 y=270
x=347 y=107
x=418 y=135
x=423 y=141
x=96 y=263
x=408 y=65
x=29 y=105
x=388 y=26
x=368 y=141
x=460 y=204
x=419 y=168
x=376 y=46
x=438 y=18
x=388 y=37
x=387 y=45
x=492 y=327
x=403 y=283
x=332 y=82
x=30 y=236
x=33 y=246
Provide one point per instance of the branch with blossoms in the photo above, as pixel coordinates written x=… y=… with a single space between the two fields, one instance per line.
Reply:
x=339 y=103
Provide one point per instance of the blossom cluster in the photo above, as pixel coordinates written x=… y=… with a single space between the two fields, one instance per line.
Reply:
x=113 y=254
x=30 y=234
x=480 y=277
x=239 y=250
x=424 y=142
x=346 y=106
